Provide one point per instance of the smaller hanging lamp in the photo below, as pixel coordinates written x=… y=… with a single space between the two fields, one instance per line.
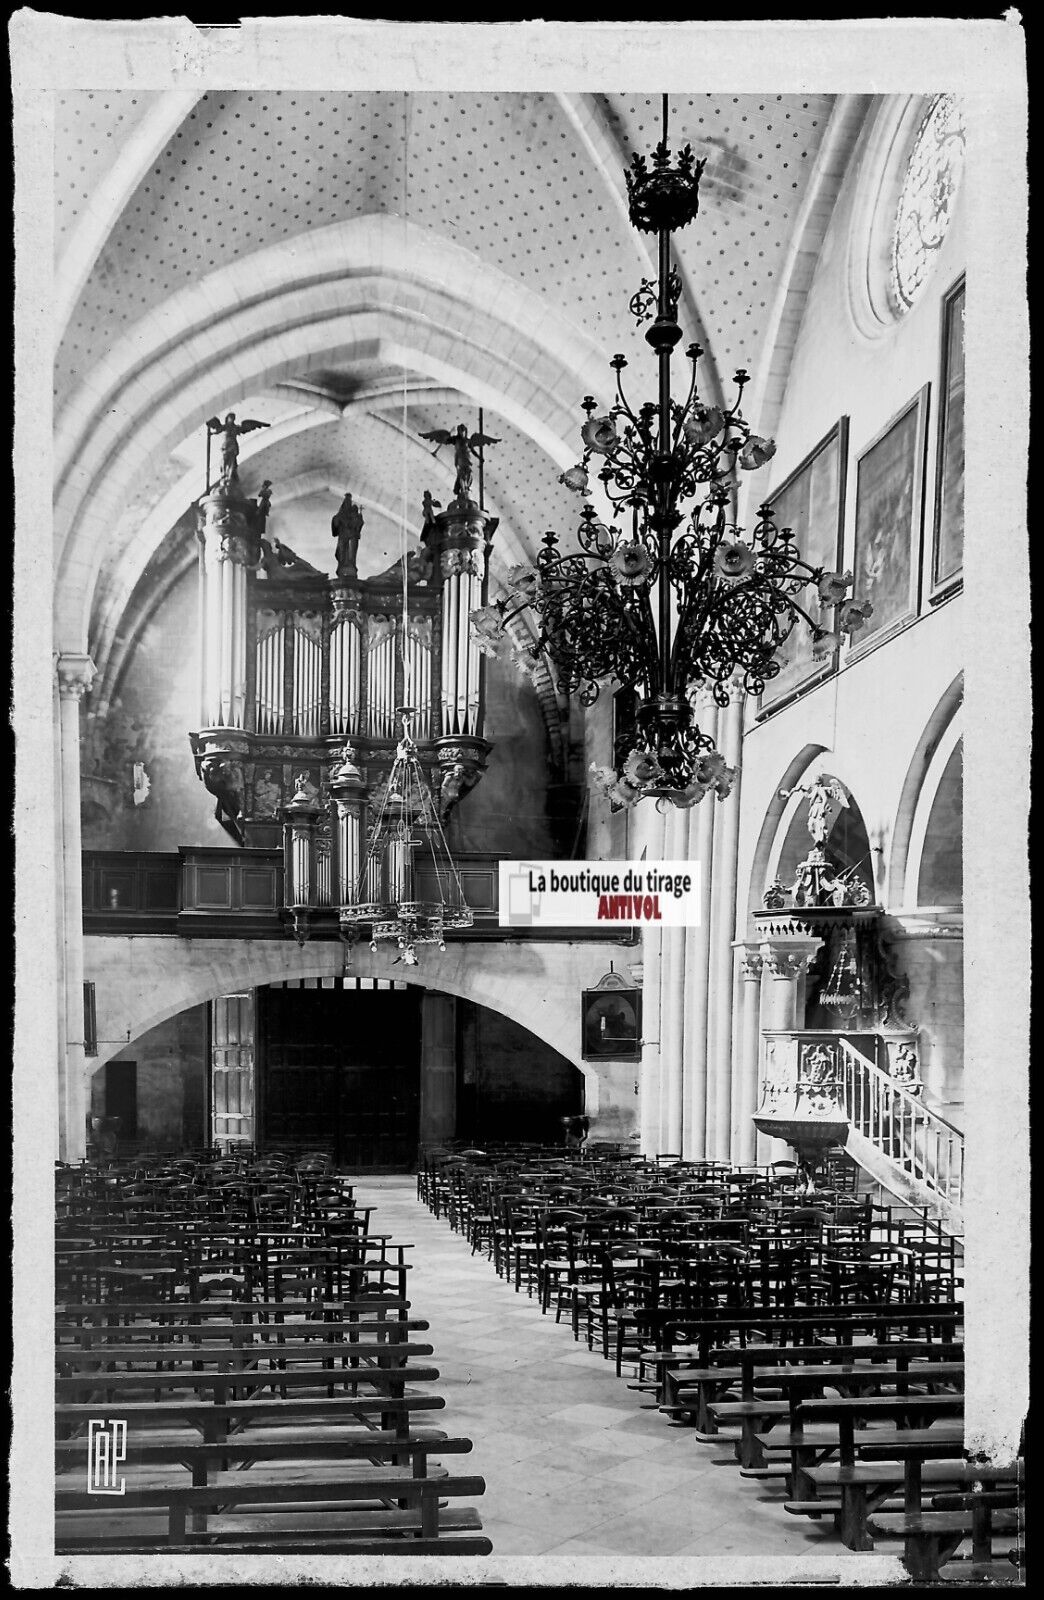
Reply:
x=841 y=993
x=409 y=890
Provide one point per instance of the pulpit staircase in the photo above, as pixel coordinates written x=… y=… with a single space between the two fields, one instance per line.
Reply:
x=900 y=1144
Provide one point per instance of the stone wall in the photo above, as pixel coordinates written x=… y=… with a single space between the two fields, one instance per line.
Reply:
x=171 y=1080
x=511 y=1084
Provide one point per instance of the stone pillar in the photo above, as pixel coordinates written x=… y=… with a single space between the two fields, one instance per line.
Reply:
x=746 y=1066
x=75 y=675
x=649 y=1076
x=648 y=836
x=672 y=1005
x=723 y=927
x=786 y=958
x=697 y=963
x=438 y=1081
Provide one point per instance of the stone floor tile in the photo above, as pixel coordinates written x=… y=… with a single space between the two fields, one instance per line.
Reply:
x=589 y=1415
x=614 y=1442
x=637 y=1533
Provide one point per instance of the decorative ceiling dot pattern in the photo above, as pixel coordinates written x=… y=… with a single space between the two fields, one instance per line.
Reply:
x=760 y=151
x=501 y=175
x=90 y=127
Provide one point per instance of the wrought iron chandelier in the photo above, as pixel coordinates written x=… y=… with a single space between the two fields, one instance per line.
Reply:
x=409 y=890
x=677 y=601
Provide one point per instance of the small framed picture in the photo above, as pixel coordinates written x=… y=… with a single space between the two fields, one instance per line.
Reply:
x=611 y=1024
x=948 y=529
x=888 y=524
x=811 y=502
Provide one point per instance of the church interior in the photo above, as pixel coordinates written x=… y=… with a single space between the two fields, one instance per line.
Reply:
x=376 y=418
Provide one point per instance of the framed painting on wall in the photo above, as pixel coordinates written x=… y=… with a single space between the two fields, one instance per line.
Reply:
x=811 y=502
x=888 y=523
x=612 y=1024
x=948 y=539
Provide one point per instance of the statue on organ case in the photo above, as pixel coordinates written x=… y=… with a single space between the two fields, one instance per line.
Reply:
x=464 y=450
x=346 y=527
x=229 y=431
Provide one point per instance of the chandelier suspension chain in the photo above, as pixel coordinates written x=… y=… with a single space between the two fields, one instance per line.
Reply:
x=404 y=638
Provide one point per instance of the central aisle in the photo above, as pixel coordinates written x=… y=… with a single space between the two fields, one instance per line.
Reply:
x=573 y=1465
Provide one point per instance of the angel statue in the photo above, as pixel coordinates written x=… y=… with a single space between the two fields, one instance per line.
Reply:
x=826 y=798
x=230 y=431
x=464 y=449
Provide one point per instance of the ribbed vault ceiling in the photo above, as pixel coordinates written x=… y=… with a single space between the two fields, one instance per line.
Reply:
x=529 y=186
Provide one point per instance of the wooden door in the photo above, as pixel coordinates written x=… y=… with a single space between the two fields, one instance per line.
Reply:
x=121 y=1096
x=342 y=1068
x=232 y=1069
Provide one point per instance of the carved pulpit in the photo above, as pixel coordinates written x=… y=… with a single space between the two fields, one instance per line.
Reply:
x=821 y=935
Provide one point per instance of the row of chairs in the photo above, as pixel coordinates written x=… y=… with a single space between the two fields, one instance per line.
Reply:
x=821 y=1339
x=597 y=1241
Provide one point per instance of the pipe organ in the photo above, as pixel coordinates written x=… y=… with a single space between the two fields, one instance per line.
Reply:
x=296 y=666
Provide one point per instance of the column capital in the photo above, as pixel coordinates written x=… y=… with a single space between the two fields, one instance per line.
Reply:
x=737 y=687
x=751 y=960
x=75 y=675
x=789 y=956
x=703 y=702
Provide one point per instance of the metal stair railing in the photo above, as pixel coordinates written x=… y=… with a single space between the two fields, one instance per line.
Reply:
x=927 y=1147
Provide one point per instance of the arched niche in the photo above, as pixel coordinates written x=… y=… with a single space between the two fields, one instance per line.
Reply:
x=940 y=874
x=847 y=843
x=784 y=840
x=932 y=759
x=770 y=836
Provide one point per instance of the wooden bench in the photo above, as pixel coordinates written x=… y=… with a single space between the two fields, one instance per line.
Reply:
x=390 y=1310
x=838 y=1419
x=691 y=1390
x=295 y=1443
x=931 y=1537
x=862 y=1488
x=757 y=1414
x=218 y=1419
x=322 y=1510
x=926 y=1321
x=229 y=1372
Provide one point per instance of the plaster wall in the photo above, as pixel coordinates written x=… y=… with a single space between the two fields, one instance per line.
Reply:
x=159 y=698
x=513 y=1085
x=171 y=1079
x=141 y=981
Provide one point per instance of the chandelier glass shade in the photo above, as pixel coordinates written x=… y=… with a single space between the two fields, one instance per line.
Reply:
x=409 y=890
x=670 y=597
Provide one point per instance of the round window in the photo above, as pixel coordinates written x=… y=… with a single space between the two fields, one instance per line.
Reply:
x=927 y=197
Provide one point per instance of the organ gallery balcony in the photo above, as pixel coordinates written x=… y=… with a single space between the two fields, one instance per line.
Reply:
x=237 y=893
